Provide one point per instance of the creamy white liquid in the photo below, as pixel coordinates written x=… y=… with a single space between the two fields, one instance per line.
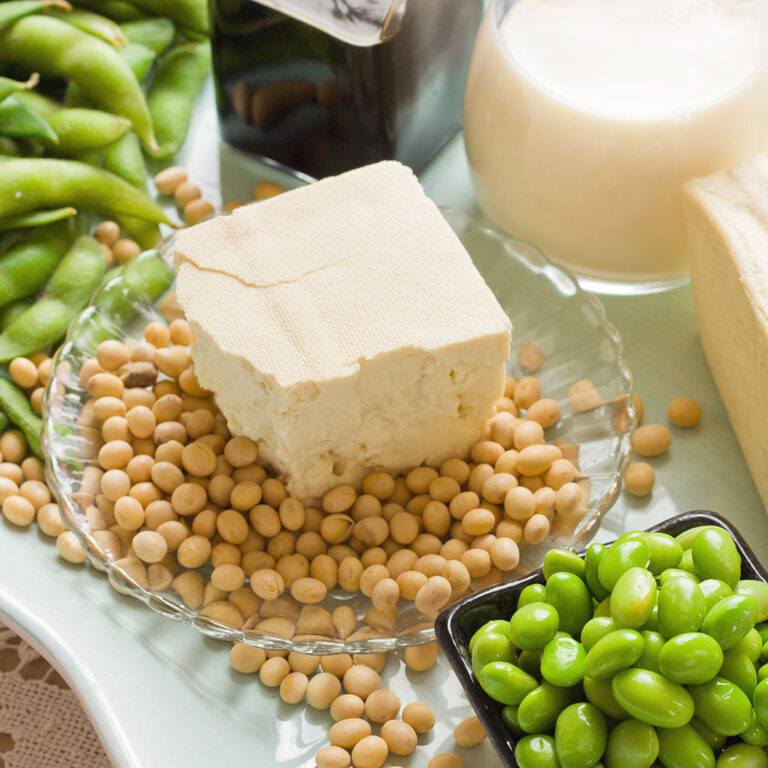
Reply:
x=583 y=118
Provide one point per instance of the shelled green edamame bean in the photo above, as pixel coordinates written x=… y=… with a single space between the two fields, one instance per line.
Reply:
x=668 y=666
x=51 y=46
x=26 y=267
x=68 y=291
x=29 y=184
x=15 y=405
x=179 y=77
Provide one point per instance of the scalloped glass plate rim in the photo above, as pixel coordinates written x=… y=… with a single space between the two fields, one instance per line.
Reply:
x=564 y=282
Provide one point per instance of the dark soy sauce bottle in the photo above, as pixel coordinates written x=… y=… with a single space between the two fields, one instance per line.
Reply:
x=323 y=86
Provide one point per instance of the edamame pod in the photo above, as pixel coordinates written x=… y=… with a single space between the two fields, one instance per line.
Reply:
x=11 y=311
x=562 y=662
x=118 y=10
x=156 y=34
x=724 y=707
x=684 y=747
x=18 y=9
x=26 y=267
x=730 y=619
x=715 y=556
x=506 y=683
x=631 y=744
x=28 y=185
x=581 y=735
x=192 y=14
x=610 y=654
x=139 y=58
x=533 y=626
x=649 y=697
x=536 y=751
x=56 y=48
x=125 y=159
x=86 y=130
x=19 y=122
x=36 y=219
x=742 y=756
x=180 y=76
x=8 y=86
x=759 y=591
x=690 y=658
x=621 y=556
x=69 y=290
x=15 y=404
x=633 y=598
x=572 y=601
x=146 y=233
x=94 y=24
x=681 y=607
x=539 y=710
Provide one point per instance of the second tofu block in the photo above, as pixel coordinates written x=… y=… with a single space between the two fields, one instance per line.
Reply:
x=344 y=327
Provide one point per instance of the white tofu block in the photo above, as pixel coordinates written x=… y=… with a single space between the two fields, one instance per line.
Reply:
x=344 y=327
x=727 y=216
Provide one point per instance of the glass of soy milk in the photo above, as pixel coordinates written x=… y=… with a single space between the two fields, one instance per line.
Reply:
x=583 y=118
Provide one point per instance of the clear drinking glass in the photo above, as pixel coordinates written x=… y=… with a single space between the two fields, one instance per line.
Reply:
x=583 y=118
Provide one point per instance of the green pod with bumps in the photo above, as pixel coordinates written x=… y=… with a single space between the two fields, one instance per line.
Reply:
x=15 y=405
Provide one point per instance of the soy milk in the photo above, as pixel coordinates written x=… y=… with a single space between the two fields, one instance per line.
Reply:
x=583 y=118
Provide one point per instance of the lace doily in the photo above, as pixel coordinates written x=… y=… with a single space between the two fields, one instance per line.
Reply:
x=42 y=724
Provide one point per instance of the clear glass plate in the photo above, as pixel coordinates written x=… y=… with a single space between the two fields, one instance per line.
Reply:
x=545 y=305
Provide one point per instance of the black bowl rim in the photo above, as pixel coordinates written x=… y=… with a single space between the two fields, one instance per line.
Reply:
x=448 y=630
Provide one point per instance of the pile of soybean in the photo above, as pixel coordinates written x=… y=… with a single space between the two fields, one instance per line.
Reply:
x=89 y=96
x=649 y=652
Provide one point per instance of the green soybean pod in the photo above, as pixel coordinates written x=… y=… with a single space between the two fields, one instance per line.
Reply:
x=621 y=556
x=739 y=670
x=11 y=311
x=18 y=9
x=760 y=702
x=631 y=744
x=562 y=662
x=500 y=626
x=69 y=290
x=751 y=645
x=665 y=551
x=724 y=707
x=15 y=405
x=509 y=718
x=633 y=598
x=156 y=34
x=600 y=694
x=191 y=14
x=139 y=58
x=53 y=47
x=37 y=219
x=563 y=560
x=596 y=628
x=26 y=267
x=759 y=591
x=146 y=233
x=94 y=24
x=715 y=740
x=715 y=556
x=742 y=756
x=533 y=593
x=118 y=10
x=18 y=121
x=714 y=590
x=536 y=751
x=592 y=559
x=653 y=642
x=492 y=646
x=730 y=619
x=571 y=599
x=649 y=697
x=125 y=159
x=29 y=184
x=684 y=747
x=506 y=683
x=610 y=654
x=539 y=710
x=533 y=626
x=180 y=76
x=9 y=86
x=682 y=607
x=690 y=658
x=581 y=735
x=755 y=734
x=86 y=130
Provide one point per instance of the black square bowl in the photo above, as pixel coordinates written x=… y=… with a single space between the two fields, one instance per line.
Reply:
x=456 y=625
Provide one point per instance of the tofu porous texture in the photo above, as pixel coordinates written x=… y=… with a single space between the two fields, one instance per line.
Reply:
x=727 y=220
x=344 y=327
